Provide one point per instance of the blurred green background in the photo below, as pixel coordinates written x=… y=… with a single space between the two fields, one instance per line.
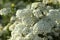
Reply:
x=12 y=3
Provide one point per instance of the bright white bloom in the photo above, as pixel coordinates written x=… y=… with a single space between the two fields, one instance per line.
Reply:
x=50 y=1
x=25 y=31
x=29 y=21
x=28 y=26
x=37 y=13
x=13 y=18
x=54 y=14
x=18 y=13
x=34 y=5
x=19 y=38
x=18 y=27
x=21 y=32
x=43 y=26
x=37 y=5
x=26 y=16
x=11 y=27
x=30 y=36
x=24 y=13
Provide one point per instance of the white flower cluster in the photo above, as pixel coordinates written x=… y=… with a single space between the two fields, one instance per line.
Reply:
x=5 y=11
x=37 y=13
x=54 y=14
x=26 y=16
x=43 y=26
x=51 y=1
x=32 y=24
x=37 y=5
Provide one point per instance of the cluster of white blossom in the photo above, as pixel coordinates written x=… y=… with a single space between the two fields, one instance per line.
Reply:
x=5 y=11
x=32 y=24
x=36 y=21
x=43 y=26
x=51 y=1
x=54 y=14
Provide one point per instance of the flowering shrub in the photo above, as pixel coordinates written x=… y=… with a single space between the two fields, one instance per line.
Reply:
x=35 y=21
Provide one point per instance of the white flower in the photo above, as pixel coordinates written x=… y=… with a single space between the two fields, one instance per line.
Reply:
x=18 y=28
x=34 y=5
x=29 y=21
x=21 y=32
x=30 y=36
x=28 y=26
x=5 y=11
x=18 y=13
x=37 y=13
x=50 y=1
x=43 y=26
x=54 y=14
x=24 y=13
x=11 y=27
x=25 y=31
x=37 y=5
x=13 y=18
